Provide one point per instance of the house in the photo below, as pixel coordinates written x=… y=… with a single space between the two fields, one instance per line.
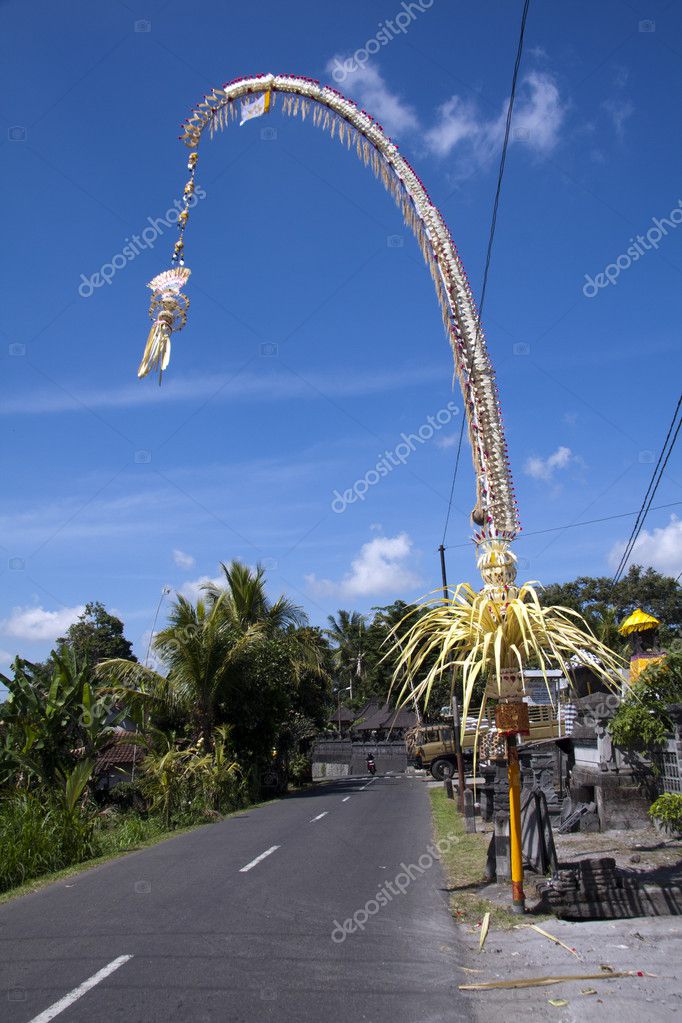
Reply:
x=119 y=759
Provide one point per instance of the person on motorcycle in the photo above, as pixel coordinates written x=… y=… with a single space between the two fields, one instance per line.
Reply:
x=371 y=766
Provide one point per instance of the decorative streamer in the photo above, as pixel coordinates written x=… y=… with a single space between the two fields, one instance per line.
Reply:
x=496 y=511
x=168 y=312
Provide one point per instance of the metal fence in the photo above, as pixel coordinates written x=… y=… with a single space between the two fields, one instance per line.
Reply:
x=669 y=764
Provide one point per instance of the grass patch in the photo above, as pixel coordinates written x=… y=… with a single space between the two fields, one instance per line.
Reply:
x=128 y=834
x=113 y=845
x=464 y=865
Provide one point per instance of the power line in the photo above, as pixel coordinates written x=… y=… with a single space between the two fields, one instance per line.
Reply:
x=656 y=477
x=576 y=525
x=454 y=477
x=491 y=235
x=646 y=496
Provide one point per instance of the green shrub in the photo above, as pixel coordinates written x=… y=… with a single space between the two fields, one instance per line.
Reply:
x=126 y=795
x=300 y=769
x=668 y=810
x=39 y=833
x=642 y=723
x=637 y=728
x=128 y=831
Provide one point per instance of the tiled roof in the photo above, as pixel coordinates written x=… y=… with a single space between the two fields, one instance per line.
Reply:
x=388 y=717
x=121 y=755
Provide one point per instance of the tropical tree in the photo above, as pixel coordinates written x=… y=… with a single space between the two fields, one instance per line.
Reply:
x=96 y=636
x=348 y=634
x=49 y=728
x=604 y=604
x=642 y=722
x=245 y=602
x=199 y=648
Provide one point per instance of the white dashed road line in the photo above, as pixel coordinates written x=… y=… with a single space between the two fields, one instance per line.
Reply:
x=253 y=863
x=345 y=799
x=79 y=991
x=366 y=786
x=319 y=817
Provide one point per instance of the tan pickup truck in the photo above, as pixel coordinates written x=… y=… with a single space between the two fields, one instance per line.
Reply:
x=432 y=746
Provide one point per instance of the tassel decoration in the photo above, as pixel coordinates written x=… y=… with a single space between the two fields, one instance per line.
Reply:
x=168 y=312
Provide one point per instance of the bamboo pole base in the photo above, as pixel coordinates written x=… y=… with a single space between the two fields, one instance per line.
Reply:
x=518 y=898
x=515 y=843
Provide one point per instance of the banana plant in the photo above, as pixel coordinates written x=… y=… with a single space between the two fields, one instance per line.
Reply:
x=49 y=727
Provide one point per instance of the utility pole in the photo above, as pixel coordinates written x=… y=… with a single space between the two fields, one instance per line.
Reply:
x=456 y=725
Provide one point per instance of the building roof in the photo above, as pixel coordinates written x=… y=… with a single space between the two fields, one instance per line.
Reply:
x=344 y=716
x=388 y=717
x=638 y=621
x=121 y=754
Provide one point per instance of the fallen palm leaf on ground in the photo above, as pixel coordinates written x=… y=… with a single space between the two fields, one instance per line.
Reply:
x=557 y=941
x=520 y=982
x=485 y=926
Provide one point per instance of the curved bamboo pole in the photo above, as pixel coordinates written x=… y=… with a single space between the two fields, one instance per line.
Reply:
x=495 y=513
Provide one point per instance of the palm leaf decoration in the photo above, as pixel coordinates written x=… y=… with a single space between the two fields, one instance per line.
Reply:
x=485 y=640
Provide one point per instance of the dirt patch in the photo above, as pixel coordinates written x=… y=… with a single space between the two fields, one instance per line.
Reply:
x=644 y=849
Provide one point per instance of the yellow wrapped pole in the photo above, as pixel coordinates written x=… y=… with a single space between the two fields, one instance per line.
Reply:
x=515 y=837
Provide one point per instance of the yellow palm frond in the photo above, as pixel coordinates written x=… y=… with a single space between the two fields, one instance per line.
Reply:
x=479 y=638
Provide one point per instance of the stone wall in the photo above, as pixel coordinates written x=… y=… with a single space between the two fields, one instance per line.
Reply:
x=619 y=789
x=339 y=758
x=596 y=889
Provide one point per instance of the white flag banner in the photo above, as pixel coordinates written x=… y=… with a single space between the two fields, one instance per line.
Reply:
x=254 y=106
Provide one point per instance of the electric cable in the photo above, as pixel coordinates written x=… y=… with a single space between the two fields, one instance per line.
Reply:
x=491 y=235
x=654 y=482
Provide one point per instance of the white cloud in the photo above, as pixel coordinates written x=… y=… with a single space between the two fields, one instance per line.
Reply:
x=277 y=384
x=183 y=560
x=35 y=623
x=449 y=440
x=460 y=126
x=621 y=76
x=540 y=112
x=382 y=566
x=538 y=116
x=458 y=121
x=618 y=110
x=544 y=468
x=368 y=86
x=193 y=588
x=660 y=549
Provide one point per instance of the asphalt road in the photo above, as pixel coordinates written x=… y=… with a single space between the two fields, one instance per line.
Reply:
x=209 y=941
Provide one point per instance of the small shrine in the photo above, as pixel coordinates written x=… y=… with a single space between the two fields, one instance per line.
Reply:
x=642 y=632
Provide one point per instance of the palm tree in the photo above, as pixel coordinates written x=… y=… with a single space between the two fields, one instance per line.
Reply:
x=199 y=646
x=245 y=602
x=348 y=631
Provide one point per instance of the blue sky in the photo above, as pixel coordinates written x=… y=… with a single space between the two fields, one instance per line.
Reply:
x=314 y=340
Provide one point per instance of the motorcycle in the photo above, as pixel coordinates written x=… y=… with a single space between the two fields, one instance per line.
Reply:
x=371 y=766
